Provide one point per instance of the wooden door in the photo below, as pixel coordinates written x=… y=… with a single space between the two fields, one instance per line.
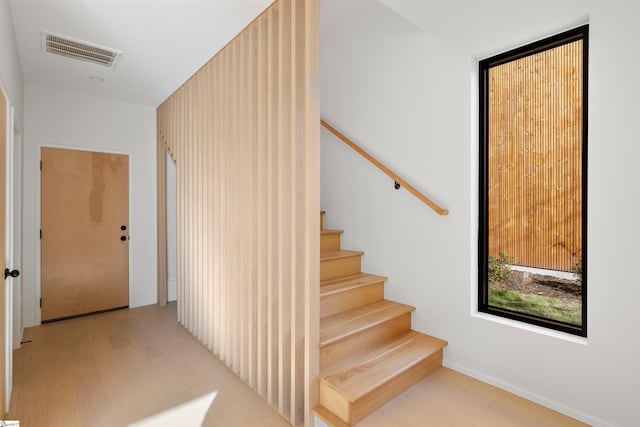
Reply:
x=4 y=125
x=85 y=232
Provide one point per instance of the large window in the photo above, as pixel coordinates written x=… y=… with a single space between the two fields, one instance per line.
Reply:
x=533 y=183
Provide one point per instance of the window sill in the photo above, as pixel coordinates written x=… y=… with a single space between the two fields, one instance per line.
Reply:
x=531 y=328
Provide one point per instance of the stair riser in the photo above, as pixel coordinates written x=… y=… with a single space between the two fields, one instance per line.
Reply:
x=332 y=400
x=329 y=242
x=343 y=301
x=353 y=412
x=339 y=267
x=360 y=342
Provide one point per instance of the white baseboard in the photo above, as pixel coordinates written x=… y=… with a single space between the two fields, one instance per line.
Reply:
x=18 y=343
x=317 y=422
x=570 y=412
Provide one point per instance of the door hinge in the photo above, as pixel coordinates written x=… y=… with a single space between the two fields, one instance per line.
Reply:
x=40 y=164
x=40 y=302
x=41 y=234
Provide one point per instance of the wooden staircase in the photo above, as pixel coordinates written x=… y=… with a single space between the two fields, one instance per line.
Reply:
x=368 y=352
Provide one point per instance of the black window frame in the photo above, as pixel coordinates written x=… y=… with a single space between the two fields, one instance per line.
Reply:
x=579 y=33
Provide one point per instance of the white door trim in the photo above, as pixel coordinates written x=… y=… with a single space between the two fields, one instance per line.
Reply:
x=18 y=323
x=8 y=261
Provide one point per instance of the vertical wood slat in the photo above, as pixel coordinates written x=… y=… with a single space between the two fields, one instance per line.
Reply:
x=535 y=158
x=273 y=121
x=262 y=196
x=162 y=221
x=284 y=216
x=311 y=219
x=244 y=132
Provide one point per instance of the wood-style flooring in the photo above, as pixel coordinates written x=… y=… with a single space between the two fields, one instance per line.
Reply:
x=451 y=399
x=116 y=368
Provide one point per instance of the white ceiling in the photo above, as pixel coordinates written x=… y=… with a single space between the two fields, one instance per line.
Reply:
x=479 y=25
x=164 y=41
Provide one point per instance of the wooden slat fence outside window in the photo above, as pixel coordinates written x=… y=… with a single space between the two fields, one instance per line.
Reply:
x=535 y=158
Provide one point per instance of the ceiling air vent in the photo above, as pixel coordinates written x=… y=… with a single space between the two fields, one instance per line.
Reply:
x=79 y=49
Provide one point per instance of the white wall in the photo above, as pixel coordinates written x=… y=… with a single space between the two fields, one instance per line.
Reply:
x=409 y=97
x=68 y=119
x=171 y=228
x=10 y=71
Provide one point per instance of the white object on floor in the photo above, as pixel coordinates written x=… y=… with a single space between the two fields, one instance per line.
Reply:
x=188 y=414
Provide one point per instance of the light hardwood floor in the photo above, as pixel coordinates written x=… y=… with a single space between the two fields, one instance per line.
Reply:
x=448 y=398
x=115 y=368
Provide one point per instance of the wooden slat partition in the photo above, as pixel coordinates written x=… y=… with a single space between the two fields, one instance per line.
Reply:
x=535 y=158
x=161 y=182
x=244 y=132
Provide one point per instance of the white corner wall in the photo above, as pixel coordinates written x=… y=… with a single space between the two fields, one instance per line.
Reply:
x=409 y=97
x=67 y=119
x=10 y=71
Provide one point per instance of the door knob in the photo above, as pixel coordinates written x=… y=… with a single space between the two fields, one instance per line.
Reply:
x=12 y=273
x=123 y=238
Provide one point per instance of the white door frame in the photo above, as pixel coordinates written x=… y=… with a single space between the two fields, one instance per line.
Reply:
x=9 y=246
x=16 y=177
x=38 y=251
x=9 y=264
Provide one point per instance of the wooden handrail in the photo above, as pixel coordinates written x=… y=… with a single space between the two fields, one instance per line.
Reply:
x=385 y=169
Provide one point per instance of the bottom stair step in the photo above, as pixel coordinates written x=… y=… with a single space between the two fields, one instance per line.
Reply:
x=354 y=391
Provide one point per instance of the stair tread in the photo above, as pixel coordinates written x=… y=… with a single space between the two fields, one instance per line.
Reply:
x=369 y=371
x=347 y=283
x=339 y=253
x=330 y=231
x=341 y=325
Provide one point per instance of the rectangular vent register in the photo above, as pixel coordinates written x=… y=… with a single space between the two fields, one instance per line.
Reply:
x=78 y=49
